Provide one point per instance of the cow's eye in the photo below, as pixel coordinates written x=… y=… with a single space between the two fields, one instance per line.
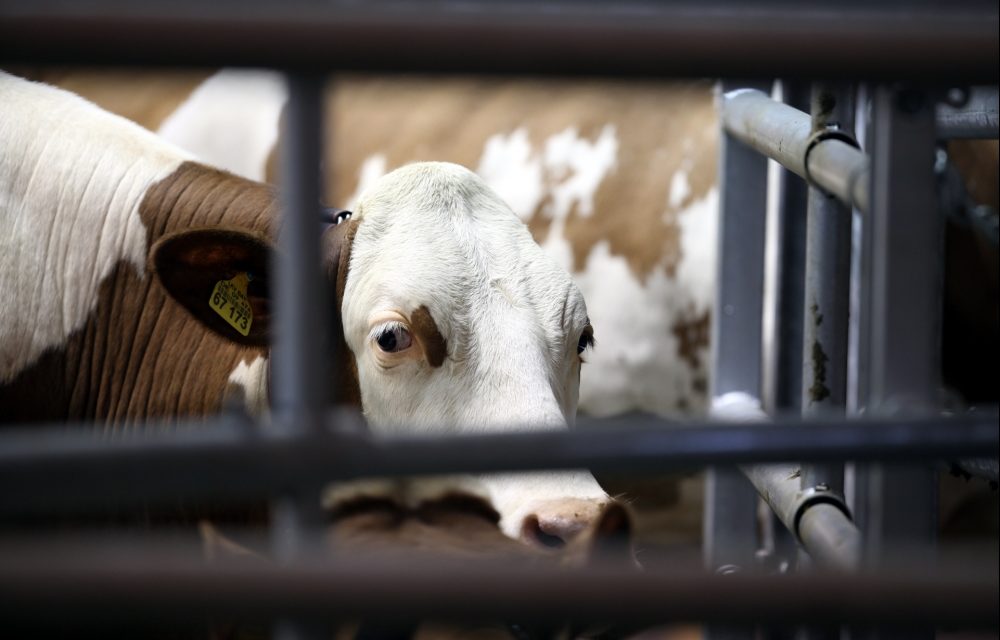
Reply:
x=586 y=340
x=393 y=338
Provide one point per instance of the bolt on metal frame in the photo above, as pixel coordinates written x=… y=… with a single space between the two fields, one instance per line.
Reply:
x=964 y=39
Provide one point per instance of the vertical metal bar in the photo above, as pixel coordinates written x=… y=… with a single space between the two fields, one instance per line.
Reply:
x=858 y=336
x=785 y=371
x=825 y=310
x=827 y=288
x=783 y=383
x=736 y=340
x=298 y=370
x=905 y=279
x=299 y=378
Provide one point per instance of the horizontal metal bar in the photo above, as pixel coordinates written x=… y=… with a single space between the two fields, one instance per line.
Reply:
x=818 y=520
x=784 y=134
x=89 y=586
x=68 y=468
x=977 y=119
x=953 y=41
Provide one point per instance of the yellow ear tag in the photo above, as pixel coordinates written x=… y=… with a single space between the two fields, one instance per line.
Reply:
x=229 y=299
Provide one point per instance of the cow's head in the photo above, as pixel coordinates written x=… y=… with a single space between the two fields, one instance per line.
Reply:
x=454 y=320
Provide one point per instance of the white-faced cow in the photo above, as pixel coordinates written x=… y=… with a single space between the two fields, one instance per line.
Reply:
x=116 y=241
x=616 y=181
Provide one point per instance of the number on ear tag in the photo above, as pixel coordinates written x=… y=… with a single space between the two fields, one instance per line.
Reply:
x=229 y=299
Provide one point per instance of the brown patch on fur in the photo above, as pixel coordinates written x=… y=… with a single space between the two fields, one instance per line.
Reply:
x=338 y=241
x=431 y=341
x=662 y=128
x=693 y=336
x=199 y=196
x=140 y=354
x=142 y=97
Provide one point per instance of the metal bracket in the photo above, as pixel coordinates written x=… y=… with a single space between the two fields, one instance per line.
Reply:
x=810 y=497
x=826 y=133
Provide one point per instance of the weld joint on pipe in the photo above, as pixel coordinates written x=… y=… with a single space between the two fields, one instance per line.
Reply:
x=811 y=497
x=821 y=135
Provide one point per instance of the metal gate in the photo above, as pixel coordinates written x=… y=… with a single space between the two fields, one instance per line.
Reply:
x=880 y=379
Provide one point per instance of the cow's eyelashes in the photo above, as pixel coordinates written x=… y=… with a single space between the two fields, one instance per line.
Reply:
x=586 y=341
x=392 y=337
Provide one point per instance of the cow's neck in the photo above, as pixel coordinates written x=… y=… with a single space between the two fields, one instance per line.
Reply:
x=199 y=196
x=138 y=353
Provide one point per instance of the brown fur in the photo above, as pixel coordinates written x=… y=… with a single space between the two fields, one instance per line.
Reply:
x=338 y=241
x=140 y=354
x=431 y=341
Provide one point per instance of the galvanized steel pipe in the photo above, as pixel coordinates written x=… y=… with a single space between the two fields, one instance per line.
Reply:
x=784 y=134
x=818 y=518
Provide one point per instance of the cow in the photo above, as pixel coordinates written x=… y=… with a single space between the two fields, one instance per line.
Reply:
x=616 y=181
x=118 y=245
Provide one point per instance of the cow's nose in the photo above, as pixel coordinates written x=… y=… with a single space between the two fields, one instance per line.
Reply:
x=554 y=523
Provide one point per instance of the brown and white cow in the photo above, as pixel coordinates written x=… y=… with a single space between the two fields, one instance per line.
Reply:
x=615 y=180
x=454 y=317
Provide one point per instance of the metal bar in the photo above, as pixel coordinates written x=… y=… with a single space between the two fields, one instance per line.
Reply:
x=299 y=380
x=827 y=282
x=784 y=384
x=829 y=536
x=56 y=468
x=817 y=518
x=859 y=336
x=977 y=119
x=639 y=38
x=783 y=338
x=86 y=587
x=299 y=372
x=730 y=506
x=906 y=280
x=784 y=134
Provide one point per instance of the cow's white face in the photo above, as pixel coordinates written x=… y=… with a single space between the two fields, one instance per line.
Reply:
x=460 y=323
x=455 y=316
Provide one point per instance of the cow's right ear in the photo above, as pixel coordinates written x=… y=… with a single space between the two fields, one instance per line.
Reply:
x=221 y=277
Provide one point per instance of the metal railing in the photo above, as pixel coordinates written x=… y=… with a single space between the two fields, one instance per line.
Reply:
x=70 y=471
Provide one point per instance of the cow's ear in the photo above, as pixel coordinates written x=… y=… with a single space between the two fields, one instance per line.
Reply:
x=221 y=277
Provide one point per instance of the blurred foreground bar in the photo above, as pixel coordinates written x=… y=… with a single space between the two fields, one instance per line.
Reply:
x=926 y=41
x=90 y=586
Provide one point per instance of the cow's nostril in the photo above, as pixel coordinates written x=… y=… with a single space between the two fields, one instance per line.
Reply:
x=531 y=530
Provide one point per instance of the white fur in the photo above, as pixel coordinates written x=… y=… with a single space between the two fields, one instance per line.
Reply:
x=231 y=120
x=635 y=364
x=71 y=180
x=434 y=235
x=252 y=380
